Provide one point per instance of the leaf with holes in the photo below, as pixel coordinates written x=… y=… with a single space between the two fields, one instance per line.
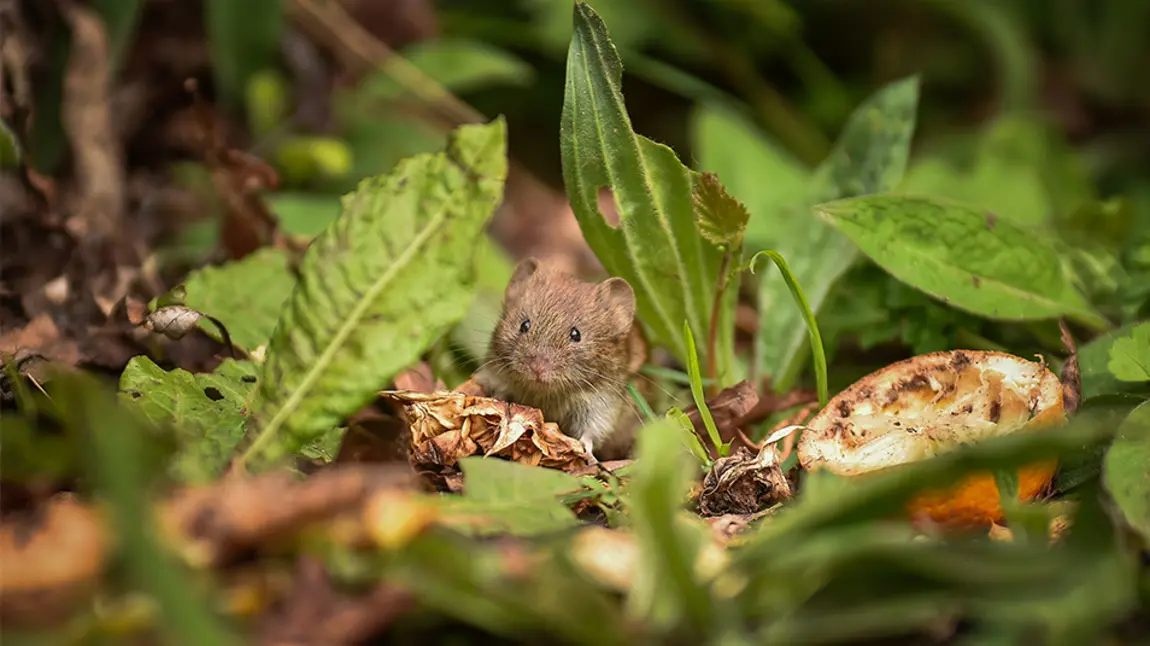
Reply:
x=206 y=411
x=384 y=281
x=962 y=255
x=869 y=157
x=657 y=246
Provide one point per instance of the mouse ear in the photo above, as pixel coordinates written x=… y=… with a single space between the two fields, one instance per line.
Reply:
x=617 y=297
x=524 y=270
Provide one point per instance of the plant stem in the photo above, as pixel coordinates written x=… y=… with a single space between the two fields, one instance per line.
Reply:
x=713 y=329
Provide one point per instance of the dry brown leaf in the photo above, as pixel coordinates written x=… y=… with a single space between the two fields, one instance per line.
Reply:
x=744 y=483
x=39 y=338
x=727 y=408
x=49 y=561
x=447 y=426
x=215 y=522
x=1070 y=376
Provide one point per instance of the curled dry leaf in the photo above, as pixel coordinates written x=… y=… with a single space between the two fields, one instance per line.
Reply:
x=174 y=322
x=930 y=404
x=447 y=426
x=744 y=483
x=1071 y=376
x=49 y=562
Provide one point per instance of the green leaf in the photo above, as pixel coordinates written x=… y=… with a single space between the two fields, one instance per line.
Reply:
x=758 y=172
x=30 y=453
x=511 y=498
x=1094 y=363
x=721 y=218
x=1126 y=469
x=116 y=448
x=243 y=38
x=457 y=64
x=666 y=590
x=377 y=288
x=869 y=157
x=697 y=394
x=246 y=295
x=1130 y=355
x=657 y=248
x=303 y=214
x=205 y=410
x=962 y=255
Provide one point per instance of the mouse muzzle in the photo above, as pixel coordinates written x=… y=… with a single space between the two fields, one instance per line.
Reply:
x=541 y=367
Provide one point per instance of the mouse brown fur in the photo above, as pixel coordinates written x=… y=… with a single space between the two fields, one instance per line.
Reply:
x=566 y=347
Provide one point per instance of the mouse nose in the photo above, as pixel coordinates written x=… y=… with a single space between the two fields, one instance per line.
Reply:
x=540 y=367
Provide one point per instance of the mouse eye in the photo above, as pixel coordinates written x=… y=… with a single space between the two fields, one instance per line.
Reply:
x=524 y=326
x=575 y=336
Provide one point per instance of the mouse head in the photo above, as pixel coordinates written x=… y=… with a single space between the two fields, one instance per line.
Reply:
x=560 y=332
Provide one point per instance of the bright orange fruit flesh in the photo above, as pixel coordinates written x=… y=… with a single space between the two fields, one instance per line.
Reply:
x=931 y=404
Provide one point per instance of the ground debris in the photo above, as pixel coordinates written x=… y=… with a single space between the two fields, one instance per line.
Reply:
x=447 y=426
x=214 y=523
x=315 y=613
x=49 y=561
x=744 y=483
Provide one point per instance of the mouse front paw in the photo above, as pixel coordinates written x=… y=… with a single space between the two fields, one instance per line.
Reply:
x=590 y=450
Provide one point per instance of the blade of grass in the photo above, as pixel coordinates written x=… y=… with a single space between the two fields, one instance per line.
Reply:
x=820 y=357
x=697 y=392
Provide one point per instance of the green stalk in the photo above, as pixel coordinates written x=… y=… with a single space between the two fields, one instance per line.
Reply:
x=820 y=357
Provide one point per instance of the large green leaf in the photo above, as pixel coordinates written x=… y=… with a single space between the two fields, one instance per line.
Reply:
x=381 y=284
x=657 y=247
x=243 y=38
x=246 y=295
x=507 y=497
x=869 y=157
x=1126 y=469
x=206 y=410
x=755 y=170
x=963 y=255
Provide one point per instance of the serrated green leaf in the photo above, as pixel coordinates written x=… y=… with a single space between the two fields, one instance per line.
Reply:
x=1126 y=469
x=378 y=287
x=962 y=255
x=243 y=38
x=657 y=248
x=503 y=497
x=1130 y=355
x=1094 y=363
x=755 y=170
x=869 y=157
x=247 y=295
x=205 y=410
x=721 y=218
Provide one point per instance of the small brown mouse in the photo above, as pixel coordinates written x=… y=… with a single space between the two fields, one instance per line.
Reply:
x=566 y=347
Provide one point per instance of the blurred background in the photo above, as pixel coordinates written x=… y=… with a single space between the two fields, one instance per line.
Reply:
x=176 y=132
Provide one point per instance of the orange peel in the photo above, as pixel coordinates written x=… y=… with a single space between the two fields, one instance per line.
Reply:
x=931 y=404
